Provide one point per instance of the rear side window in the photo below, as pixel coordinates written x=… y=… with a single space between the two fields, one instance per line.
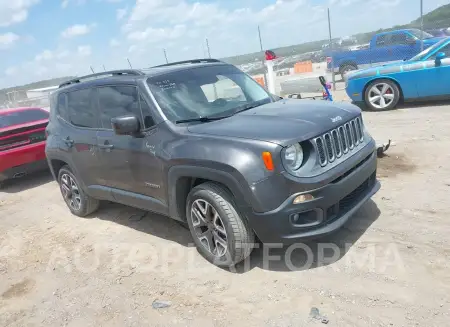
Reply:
x=116 y=101
x=61 y=106
x=82 y=109
x=22 y=117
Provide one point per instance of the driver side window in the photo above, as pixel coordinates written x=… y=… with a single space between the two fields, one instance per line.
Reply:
x=224 y=88
x=115 y=101
x=445 y=50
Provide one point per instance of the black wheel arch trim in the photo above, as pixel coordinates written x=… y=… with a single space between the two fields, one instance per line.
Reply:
x=71 y=166
x=240 y=190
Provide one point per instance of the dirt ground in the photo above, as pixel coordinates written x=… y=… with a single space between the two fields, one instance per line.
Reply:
x=389 y=266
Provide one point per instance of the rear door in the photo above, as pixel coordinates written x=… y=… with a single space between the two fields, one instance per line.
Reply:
x=79 y=135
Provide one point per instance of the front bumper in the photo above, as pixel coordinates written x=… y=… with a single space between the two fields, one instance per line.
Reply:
x=332 y=206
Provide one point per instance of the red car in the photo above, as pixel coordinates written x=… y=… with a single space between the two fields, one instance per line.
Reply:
x=22 y=142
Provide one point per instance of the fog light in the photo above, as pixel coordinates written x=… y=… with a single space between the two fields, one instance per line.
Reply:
x=303 y=198
x=295 y=218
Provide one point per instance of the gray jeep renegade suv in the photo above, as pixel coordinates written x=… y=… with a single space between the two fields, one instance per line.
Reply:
x=203 y=143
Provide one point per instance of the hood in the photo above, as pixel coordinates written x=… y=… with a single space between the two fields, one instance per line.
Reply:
x=373 y=70
x=283 y=122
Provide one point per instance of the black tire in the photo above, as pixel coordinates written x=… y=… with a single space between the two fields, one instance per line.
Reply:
x=395 y=91
x=87 y=204
x=240 y=237
x=347 y=68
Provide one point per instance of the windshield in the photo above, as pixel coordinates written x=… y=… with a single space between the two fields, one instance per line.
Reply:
x=418 y=34
x=217 y=90
x=427 y=51
x=21 y=117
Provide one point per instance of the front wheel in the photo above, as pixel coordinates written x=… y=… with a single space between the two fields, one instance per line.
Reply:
x=220 y=233
x=382 y=95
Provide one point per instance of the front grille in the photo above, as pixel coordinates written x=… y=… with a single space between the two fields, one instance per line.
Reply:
x=340 y=141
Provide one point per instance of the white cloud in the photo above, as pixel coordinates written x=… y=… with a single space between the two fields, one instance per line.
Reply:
x=14 y=11
x=121 y=13
x=84 y=50
x=76 y=30
x=114 y=43
x=158 y=34
x=11 y=71
x=65 y=3
x=44 y=55
x=7 y=40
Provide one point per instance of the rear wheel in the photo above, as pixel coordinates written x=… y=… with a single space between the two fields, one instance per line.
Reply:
x=79 y=203
x=220 y=233
x=382 y=95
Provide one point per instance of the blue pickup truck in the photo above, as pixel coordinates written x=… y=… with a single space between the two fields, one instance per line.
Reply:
x=384 y=47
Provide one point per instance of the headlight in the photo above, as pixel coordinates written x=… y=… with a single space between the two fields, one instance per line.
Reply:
x=293 y=157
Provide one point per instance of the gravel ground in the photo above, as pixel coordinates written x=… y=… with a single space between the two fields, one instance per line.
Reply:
x=389 y=266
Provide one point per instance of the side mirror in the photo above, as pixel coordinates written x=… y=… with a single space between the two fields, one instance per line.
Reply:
x=439 y=57
x=411 y=41
x=126 y=125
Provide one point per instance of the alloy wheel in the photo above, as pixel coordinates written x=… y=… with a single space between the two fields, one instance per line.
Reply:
x=381 y=95
x=209 y=227
x=71 y=192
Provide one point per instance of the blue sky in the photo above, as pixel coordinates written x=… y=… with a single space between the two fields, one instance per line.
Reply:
x=41 y=39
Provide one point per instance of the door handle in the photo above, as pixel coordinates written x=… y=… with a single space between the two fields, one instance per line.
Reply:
x=69 y=142
x=106 y=146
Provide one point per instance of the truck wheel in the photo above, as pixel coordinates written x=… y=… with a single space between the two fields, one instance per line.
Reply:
x=347 y=68
x=382 y=94
x=220 y=233
x=79 y=203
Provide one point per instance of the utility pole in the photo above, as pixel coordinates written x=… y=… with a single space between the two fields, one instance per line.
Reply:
x=331 y=48
x=209 y=54
x=129 y=63
x=263 y=60
x=421 y=25
x=104 y=69
x=165 y=56
x=207 y=47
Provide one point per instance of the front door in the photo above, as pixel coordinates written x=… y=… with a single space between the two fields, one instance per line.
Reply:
x=433 y=81
x=129 y=162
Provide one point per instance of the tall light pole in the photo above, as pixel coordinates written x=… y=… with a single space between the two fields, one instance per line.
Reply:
x=421 y=25
x=165 y=56
x=262 y=50
x=207 y=47
x=331 y=48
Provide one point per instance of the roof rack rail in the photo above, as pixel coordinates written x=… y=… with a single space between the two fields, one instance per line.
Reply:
x=132 y=72
x=192 y=61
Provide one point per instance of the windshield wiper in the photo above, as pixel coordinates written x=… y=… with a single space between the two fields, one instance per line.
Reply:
x=249 y=106
x=203 y=119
